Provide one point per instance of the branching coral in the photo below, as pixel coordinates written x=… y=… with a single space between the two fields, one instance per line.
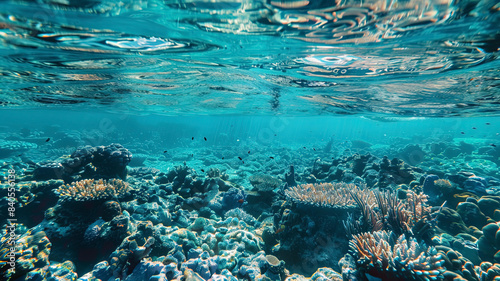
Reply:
x=371 y=220
x=89 y=190
x=328 y=194
x=390 y=213
x=382 y=255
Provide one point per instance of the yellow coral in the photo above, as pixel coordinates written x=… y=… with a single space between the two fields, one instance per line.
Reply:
x=328 y=194
x=87 y=190
x=396 y=259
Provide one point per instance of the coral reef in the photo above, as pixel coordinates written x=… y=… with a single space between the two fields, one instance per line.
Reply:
x=488 y=244
x=128 y=256
x=31 y=201
x=87 y=162
x=9 y=147
x=269 y=218
x=31 y=257
x=112 y=160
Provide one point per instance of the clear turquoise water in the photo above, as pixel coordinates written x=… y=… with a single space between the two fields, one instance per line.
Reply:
x=411 y=58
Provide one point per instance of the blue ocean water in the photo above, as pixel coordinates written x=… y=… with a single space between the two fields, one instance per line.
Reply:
x=249 y=140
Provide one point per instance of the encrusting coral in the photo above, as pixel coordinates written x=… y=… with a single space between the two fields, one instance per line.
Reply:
x=30 y=255
x=89 y=190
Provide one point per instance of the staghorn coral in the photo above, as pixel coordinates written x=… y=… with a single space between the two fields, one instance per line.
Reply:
x=409 y=213
x=328 y=194
x=89 y=190
x=391 y=213
x=381 y=254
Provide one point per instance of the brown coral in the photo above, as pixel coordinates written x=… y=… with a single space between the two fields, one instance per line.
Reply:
x=89 y=190
x=30 y=254
x=392 y=213
x=328 y=194
x=382 y=255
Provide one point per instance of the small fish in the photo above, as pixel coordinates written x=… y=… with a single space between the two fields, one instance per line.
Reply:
x=202 y=170
x=314 y=149
x=19 y=155
x=493 y=145
x=205 y=138
x=192 y=155
x=165 y=151
x=239 y=158
x=47 y=140
x=282 y=227
x=462 y=133
x=487 y=123
x=271 y=157
x=222 y=157
x=304 y=147
x=249 y=152
x=274 y=134
x=473 y=128
x=243 y=162
x=192 y=138
x=241 y=201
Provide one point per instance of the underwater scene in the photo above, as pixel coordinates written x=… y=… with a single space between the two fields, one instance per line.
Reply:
x=267 y=140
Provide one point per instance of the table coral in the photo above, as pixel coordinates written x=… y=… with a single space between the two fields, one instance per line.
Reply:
x=328 y=194
x=89 y=190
